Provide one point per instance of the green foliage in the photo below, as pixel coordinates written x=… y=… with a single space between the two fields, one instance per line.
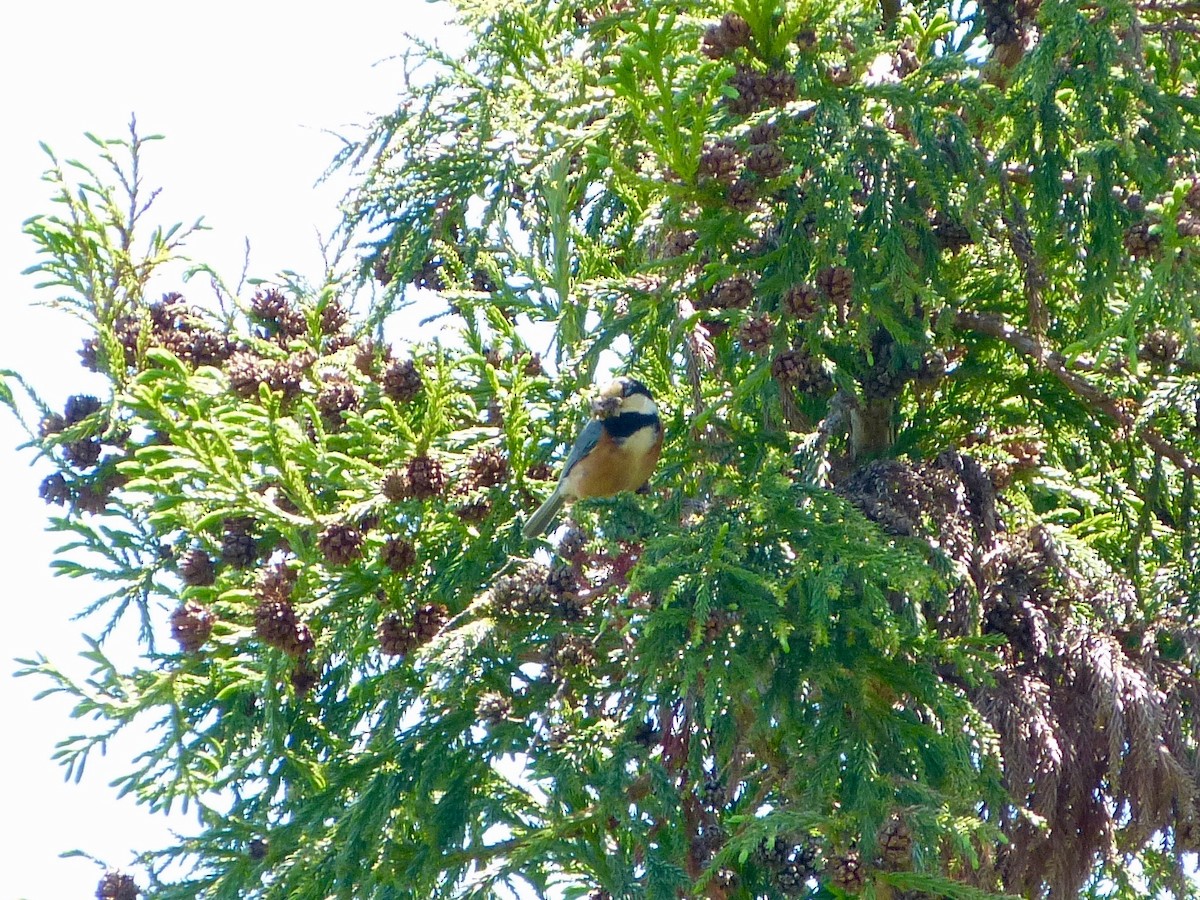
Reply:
x=909 y=608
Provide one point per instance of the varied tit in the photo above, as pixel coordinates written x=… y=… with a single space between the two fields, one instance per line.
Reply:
x=616 y=451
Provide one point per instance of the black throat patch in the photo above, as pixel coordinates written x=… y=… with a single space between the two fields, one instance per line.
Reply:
x=627 y=423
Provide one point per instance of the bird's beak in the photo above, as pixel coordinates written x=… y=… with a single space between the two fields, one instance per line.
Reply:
x=608 y=401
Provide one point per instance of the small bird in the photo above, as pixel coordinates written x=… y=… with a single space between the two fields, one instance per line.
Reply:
x=616 y=451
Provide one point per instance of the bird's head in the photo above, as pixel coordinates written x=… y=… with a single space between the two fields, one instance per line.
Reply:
x=623 y=395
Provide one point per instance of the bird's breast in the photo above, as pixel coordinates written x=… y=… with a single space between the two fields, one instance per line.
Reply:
x=616 y=464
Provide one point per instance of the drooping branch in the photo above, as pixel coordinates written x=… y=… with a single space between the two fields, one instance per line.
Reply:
x=1120 y=411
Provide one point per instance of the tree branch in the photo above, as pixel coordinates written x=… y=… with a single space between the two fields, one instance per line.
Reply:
x=1019 y=238
x=1120 y=411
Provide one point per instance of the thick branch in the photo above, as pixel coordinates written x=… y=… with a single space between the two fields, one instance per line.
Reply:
x=1120 y=411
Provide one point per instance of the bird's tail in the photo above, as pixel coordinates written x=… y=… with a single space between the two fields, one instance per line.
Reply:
x=544 y=515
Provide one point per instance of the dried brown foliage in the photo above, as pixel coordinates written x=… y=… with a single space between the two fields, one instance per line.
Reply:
x=1093 y=717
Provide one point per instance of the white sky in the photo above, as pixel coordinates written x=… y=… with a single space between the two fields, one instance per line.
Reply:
x=245 y=94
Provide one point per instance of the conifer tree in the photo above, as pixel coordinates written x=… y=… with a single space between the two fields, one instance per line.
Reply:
x=909 y=609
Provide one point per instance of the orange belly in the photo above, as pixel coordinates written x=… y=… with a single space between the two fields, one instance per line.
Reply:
x=610 y=469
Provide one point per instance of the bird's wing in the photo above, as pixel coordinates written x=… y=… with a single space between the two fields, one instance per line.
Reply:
x=588 y=439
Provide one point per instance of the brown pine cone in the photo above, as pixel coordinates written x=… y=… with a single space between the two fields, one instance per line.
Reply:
x=772 y=853
x=270 y=305
x=540 y=472
x=806 y=40
x=895 y=843
x=54 y=489
x=474 y=511
x=401 y=381
x=801 y=301
x=678 y=243
x=717 y=623
x=338 y=395
x=713 y=792
x=836 y=283
x=276 y=624
x=115 y=886
x=426 y=477
x=750 y=91
x=399 y=554
x=720 y=161
x=51 y=424
x=798 y=369
x=756 y=334
x=1192 y=197
x=743 y=194
x=429 y=276
x=766 y=160
x=246 y=371
x=171 y=313
x=732 y=293
x=83 y=454
x=293 y=324
x=238 y=549
x=334 y=317
x=568 y=651
x=766 y=133
x=1188 y=225
x=91 y=499
x=368 y=355
x=846 y=872
x=488 y=467
x=563 y=583
x=482 y=282
x=1140 y=241
x=562 y=580
x=1161 y=347
x=523 y=592
x=573 y=542
x=304 y=678
x=276 y=583
x=723 y=38
x=779 y=87
x=1001 y=23
x=395 y=486
x=191 y=626
x=340 y=544
x=287 y=375
x=428 y=621
x=129 y=332
x=196 y=568
x=493 y=708
x=395 y=635
x=533 y=365
x=79 y=407
x=210 y=348
x=381 y=270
